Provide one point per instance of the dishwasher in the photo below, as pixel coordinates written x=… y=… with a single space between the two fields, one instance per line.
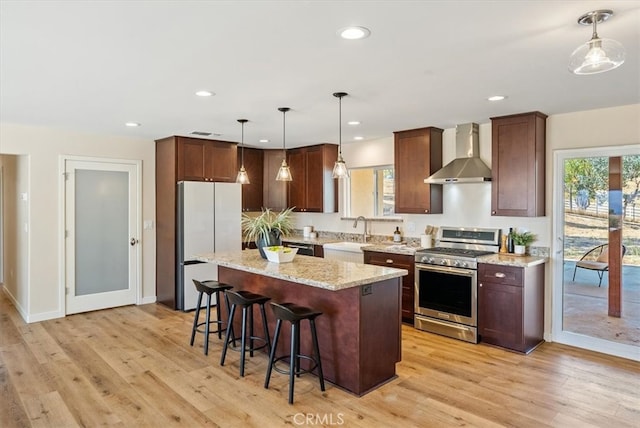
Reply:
x=304 y=249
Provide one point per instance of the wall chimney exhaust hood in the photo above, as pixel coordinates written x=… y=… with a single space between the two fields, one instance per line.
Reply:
x=467 y=167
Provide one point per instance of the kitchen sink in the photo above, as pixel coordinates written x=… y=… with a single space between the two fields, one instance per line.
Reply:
x=345 y=251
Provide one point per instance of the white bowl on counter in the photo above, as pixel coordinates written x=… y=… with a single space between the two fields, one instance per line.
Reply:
x=280 y=254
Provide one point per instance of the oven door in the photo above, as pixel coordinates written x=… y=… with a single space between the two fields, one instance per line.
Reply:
x=447 y=293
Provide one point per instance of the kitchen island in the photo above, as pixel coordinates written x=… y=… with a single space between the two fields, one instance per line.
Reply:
x=360 y=330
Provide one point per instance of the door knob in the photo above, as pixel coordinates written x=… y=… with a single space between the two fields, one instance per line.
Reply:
x=133 y=241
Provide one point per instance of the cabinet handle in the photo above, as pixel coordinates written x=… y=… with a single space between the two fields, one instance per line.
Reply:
x=426 y=211
x=389 y=261
x=499 y=275
x=493 y=213
x=480 y=285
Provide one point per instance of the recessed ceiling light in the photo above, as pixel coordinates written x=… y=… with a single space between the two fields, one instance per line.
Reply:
x=353 y=122
x=497 y=98
x=204 y=93
x=354 y=33
x=264 y=140
x=358 y=138
x=132 y=124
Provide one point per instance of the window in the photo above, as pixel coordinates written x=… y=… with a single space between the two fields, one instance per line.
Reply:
x=371 y=192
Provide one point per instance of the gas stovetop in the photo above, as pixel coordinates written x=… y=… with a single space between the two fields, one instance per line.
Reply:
x=460 y=247
x=454 y=252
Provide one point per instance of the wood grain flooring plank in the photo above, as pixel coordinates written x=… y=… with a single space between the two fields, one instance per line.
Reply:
x=49 y=410
x=43 y=346
x=12 y=411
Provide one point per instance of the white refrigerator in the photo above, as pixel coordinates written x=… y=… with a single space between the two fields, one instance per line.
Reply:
x=208 y=217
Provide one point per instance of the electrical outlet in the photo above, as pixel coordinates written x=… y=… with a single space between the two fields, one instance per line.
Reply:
x=367 y=289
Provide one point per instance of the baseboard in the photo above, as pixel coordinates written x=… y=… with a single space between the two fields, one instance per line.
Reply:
x=44 y=316
x=13 y=299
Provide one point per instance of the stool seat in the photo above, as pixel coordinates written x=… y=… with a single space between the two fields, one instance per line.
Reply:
x=245 y=300
x=208 y=287
x=294 y=314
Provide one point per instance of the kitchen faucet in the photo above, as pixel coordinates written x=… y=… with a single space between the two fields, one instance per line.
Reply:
x=364 y=233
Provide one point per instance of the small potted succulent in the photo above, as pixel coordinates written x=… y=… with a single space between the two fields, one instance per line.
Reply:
x=267 y=228
x=521 y=240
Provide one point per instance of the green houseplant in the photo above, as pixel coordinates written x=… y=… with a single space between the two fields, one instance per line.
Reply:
x=267 y=228
x=521 y=240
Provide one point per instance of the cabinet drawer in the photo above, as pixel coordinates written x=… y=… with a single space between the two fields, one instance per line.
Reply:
x=508 y=275
x=399 y=261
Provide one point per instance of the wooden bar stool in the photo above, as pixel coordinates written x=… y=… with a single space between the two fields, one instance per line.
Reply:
x=209 y=287
x=294 y=314
x=246 y=300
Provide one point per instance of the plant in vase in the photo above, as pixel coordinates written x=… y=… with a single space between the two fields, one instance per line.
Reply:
x=267 y=228
x=521 y=240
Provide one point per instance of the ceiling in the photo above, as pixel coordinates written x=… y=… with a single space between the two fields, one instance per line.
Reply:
x=92 y=66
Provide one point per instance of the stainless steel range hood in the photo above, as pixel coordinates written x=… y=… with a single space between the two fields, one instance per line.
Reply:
x=467 y=167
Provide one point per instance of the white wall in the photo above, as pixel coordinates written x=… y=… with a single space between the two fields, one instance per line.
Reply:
x=43 y=147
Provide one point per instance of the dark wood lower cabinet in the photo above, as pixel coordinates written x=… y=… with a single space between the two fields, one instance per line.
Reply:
x=511 y=306
x=399 y=261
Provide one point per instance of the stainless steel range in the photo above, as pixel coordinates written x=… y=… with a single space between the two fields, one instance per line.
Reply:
x=446 y=281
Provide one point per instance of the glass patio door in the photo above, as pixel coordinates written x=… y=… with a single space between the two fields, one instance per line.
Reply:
x=595 y=197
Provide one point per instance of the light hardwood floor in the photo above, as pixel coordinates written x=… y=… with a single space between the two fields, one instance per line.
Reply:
x=133 y=367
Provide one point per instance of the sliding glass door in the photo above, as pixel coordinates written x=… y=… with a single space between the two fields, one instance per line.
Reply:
x=597 y=263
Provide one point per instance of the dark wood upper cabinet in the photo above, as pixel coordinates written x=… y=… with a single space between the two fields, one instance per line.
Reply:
x=418 y=154
x=205 y=160
x=252 y=193
x=182 y=159
x=313 y=188
x=518 y=165
x=274 y=192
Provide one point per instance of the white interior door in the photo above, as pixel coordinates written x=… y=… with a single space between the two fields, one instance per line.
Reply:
x=101 y=234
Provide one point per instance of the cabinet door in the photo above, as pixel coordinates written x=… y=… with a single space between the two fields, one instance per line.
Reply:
x=252 y=192
x=398 y=261
x=418 y=154
x=274 y=192
x=314 y=180
x=500 y=314
x=297 y=187
x=220 y=161
x=518 y=165
x=190 y=160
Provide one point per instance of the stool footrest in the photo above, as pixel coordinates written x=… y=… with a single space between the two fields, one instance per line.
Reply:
x=298 y=372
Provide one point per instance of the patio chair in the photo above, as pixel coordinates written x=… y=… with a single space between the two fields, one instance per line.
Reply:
x=596 y=259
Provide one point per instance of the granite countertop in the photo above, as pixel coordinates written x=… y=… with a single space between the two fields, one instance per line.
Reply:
x=511 y=260
x=331 y=275
x=382 y=247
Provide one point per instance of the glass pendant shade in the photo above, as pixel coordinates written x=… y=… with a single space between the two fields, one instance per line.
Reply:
x=284 y=173
x=597 y=56
x=242 y=177
x=340 y=168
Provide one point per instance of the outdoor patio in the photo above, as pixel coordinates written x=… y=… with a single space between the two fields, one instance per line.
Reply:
x=585 y=305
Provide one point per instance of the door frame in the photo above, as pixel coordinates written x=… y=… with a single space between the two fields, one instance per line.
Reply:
x=557 y=248
x=62 y=259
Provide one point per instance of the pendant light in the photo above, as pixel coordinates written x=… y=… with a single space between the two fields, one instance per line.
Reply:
x=284 y=173
x=243 y=177
x=340 y=168
x=597 y=55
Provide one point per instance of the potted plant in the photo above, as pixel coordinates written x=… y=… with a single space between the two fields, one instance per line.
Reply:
x=267 y=228
x=521 y=240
